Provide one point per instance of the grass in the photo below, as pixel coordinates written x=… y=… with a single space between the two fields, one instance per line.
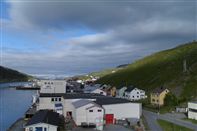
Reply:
x=145 y=123
x=162 y=68
x=168 y=126
x=191 y=120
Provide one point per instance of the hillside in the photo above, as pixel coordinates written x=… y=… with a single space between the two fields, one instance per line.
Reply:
x=9 y=75
x=162 y=68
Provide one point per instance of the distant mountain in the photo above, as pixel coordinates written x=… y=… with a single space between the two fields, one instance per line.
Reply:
x=175 y=69
x=122 y=66
x=10 y=75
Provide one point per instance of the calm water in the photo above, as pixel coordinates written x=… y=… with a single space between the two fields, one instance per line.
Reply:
x=13 y=104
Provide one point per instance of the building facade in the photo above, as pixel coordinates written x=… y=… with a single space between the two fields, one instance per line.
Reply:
x=158 y=95
x=192 y=110
x=52 y=86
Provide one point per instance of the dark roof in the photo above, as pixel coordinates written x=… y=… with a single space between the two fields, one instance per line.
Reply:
x=45 y=116
x=159 y=90
x=129 y=89
x=110 y=100
x=72 y=95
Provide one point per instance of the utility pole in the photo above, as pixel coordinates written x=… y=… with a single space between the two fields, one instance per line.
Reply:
x=184 y=65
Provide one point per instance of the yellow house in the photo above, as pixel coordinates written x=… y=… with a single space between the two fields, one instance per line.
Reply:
x=158 y=95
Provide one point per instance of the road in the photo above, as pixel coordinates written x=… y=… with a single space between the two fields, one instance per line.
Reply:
x=152 y=117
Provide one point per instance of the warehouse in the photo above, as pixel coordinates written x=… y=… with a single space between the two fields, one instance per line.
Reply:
x=192 y=110
x=113 y=108
x=88 y=113
x=119 y=109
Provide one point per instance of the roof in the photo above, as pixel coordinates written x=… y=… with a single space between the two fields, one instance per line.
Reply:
x=159 y=90
x=99 y=99
x=72 y=95
x=130 y=88
x=92 y=88
x=110 y=100
x=45 y=116
x=81 y=103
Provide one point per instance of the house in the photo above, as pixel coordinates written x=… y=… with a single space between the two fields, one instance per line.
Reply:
x=52 y=86
x=192 y=110
x=121 y=91
x=75 y=103
x=110 y=90
x=94 y=89
x=45 y=120
x=119 y=109
x=133 y=93
x=89 y=113
x=74 y=86
x=158 y=95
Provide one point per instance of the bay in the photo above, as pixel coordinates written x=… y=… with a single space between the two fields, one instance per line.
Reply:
x=13 y=104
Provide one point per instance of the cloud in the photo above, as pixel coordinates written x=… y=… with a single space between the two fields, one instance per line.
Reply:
x=122 y=32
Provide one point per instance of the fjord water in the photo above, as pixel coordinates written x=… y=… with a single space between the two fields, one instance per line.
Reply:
x=13 y=104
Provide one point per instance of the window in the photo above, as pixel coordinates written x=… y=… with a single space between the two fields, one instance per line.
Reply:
x=137 y=96
x=193 y=110
x=38 y=128
x=52 y=99
x=137 y=92
x=45 y=83
x=133 y=96
x=55 y=99
x=51 y=83
x=60 y=99
x=99 y=110
x=101 y=93
x=153 y=100
x=45 y=129
x=157 y=100
x=90 y=110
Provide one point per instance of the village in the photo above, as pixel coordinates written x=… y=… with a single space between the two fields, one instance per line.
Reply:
x=80 y=105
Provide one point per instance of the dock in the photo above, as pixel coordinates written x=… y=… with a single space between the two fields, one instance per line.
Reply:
x=18 y=125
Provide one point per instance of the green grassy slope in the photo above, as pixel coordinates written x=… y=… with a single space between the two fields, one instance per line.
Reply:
x=162 y=68
x=9 y=75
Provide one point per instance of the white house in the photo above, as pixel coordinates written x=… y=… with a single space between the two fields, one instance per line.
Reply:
x=134 y=94
x=52 y=86
x=94 y=89
x=120 y=92
x=192 y=110
x=44 y=120
x=119 y=109
x=88 y=112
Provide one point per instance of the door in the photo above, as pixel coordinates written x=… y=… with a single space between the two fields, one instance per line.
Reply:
x=109 y=118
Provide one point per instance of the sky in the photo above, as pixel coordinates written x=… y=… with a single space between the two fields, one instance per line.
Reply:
x=64 y=37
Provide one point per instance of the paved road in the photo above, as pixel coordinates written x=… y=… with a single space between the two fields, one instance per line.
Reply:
x=106 y=128
x=152 y=117
x=152 y=120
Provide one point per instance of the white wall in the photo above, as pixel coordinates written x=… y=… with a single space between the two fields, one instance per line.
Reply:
x=124 y=110
x=52 y=86
x=68 y=106
x=83 y=115
x=135 y=94
x=192 y=114
x=46 y=103
x=43 y=125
